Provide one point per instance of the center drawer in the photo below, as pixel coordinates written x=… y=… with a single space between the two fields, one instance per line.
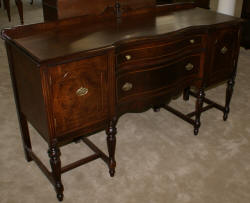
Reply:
x=157 y=78
x=157 y=49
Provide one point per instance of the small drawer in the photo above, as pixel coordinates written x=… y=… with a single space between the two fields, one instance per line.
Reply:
x=158 y=49
x=148 y=80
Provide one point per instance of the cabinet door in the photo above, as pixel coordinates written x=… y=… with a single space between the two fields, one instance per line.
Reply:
x=223 y=55
x=79 y=91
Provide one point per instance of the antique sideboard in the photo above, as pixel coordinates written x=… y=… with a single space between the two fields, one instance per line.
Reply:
x=74 y=77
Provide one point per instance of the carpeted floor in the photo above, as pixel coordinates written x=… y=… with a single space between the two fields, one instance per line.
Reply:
x=158 y=158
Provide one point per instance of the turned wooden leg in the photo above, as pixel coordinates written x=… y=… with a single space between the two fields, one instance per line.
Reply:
x=111 y=142
x=19 y=5
x=186 y=94
x=55 y=162
x=198 y=108
x=6 y=4
x=229 y=93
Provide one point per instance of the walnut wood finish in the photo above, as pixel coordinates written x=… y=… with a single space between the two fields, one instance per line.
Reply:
x=61 y=9
x=74 y=77
x=71 y=108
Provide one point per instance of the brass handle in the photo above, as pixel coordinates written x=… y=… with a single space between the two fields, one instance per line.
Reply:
x=82 y=91
x=224 y=50
x=128 y=57
x=127 y=86
x=189 y=66
x=192 y=41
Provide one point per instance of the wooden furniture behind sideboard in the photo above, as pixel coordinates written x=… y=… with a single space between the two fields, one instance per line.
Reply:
x=61 y=9
x=74 y=77
x=19 y=4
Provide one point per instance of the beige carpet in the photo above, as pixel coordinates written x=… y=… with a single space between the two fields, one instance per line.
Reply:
x=158 y=158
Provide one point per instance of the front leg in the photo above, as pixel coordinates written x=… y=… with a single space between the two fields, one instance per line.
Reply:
x=55 y=162
x=229 y=93
x=111 y=142
x=198 y=107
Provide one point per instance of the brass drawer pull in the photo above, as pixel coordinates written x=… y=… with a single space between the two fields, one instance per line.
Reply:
x=192 y=41
x=128 y=57
x=127 y=86
x=224 y=50
x=189 y=66
x=82 y=91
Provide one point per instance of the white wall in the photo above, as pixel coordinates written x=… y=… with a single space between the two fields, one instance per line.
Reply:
x=214 y=5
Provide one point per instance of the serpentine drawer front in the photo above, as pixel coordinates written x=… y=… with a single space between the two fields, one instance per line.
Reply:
x=75 y=77
x=156 y=50
x=147 y=80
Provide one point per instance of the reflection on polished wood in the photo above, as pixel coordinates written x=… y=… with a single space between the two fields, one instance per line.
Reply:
x=77 y=76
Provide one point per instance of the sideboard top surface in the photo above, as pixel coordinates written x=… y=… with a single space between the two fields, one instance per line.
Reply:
x=48 y=41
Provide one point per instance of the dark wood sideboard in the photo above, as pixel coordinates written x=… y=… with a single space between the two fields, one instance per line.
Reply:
x=74 y=77
x=246 y=28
